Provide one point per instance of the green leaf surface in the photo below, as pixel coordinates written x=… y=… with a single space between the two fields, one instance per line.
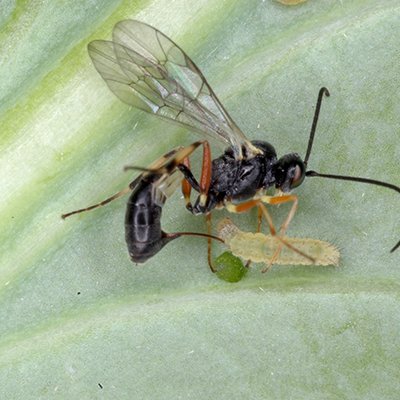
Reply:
x=79 y=321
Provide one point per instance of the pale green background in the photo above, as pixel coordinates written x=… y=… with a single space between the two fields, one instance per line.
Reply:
x=170 y=329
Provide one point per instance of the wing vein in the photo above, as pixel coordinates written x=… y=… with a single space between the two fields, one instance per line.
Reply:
x=147 y=70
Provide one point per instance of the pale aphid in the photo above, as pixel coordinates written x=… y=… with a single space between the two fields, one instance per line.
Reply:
x=259 y=247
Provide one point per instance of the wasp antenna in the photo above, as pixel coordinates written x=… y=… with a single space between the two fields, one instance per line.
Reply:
x=395 y=247
x=323 y=91
x=362 y=180
x=355 y=179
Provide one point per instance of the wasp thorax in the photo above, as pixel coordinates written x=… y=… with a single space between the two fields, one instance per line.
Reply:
x=289 y=172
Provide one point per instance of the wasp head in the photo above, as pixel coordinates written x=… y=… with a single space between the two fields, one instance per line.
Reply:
x=289 y=172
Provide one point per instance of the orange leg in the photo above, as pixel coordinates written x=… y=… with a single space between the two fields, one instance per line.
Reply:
x=204 y=186
x=205 y=179
x=263 y=211
x=275 y=200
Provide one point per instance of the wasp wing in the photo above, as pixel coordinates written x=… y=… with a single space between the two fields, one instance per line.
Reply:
x=148 y=71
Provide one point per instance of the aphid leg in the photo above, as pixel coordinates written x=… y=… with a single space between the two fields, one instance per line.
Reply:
x=102 y=203
x=209 y=243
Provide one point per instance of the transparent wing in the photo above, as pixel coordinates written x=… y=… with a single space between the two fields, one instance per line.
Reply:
x=148 y=71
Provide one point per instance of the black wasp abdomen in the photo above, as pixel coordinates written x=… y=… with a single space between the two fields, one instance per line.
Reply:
x=143 y=233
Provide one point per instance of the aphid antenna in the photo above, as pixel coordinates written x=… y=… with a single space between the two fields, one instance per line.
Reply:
x=324 y=91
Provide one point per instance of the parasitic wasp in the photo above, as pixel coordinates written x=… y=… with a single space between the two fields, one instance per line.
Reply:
x=147 y=70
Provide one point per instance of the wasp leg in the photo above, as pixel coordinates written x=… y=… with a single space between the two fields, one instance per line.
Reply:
x=275 y=200
x=250 y=204
x=160 y=162
x=164 y=164
x=239 y=208
x=205 y=179
x=203 y=188
x=187 y=173
x=247 y=206
x=190 y=181
x=102 y=203
x=258 y=202
x=169 y=161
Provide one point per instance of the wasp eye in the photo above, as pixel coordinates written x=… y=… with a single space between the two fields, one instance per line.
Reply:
x=298 y=176
x=289 y=172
